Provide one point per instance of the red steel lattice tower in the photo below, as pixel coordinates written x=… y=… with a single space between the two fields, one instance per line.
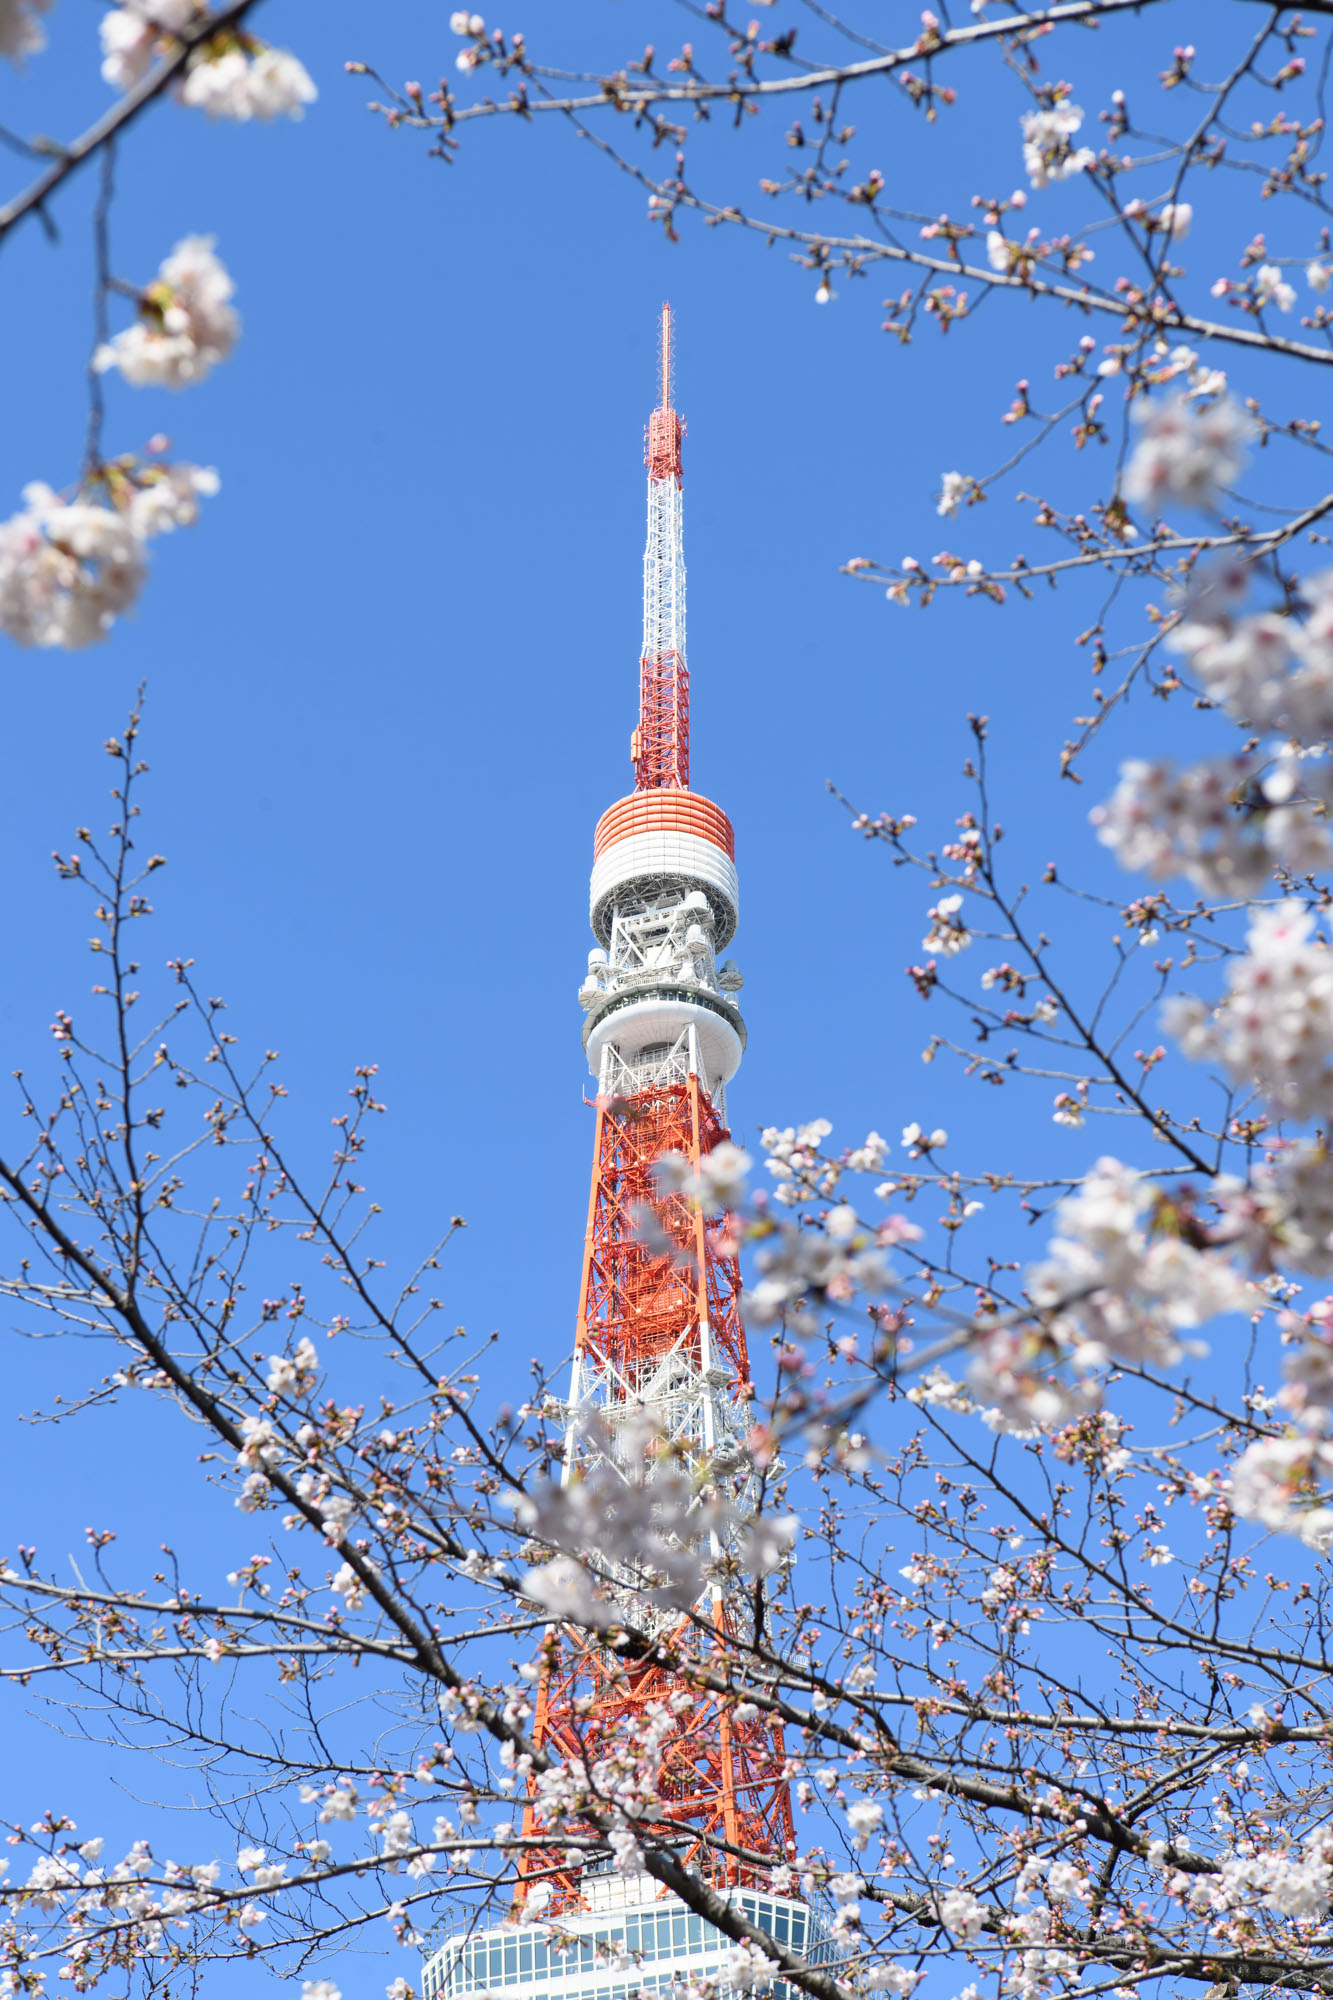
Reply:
x=661 y=1335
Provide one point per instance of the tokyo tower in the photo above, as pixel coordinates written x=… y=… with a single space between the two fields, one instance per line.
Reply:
x=658 y=1340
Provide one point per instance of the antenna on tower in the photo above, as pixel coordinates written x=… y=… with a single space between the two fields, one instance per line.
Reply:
x=664 y=347
x=665 y=428
x=660 y=747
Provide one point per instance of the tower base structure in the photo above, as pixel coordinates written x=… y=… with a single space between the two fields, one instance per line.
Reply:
x=630 y=1938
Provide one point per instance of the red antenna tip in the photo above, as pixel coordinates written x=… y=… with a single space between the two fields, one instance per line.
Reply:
x=665 y=428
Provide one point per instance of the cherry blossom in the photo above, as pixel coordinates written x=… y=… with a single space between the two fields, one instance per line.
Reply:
x=869 y=1156
x=720 y=1182
x=766 y=1543
x=962 y=1913
x=1278 y=1482
x=622 y=1527
x=954 y=486
x=1186 y=452
x=168 y=496
x=350 y=1586
x=1066 y=1882
x=295 y=1374
x=864 y=1816
x=1307 y=1366
x=748 y=1967
x=1274 y=1026
x=1292 y=1202
x=134 y=34
x=803 y=1268
x=899 y=1980
x=1226 y=824
x=67 y=570
x=1268 y=669
x=1271 y=288
x=1047 y=153
x=918 y=1141
x=186 y=324
x=1120 y=1280
x=948 y=932
x=1293 y=1883
x=245 y=80
x=1012 y=1383
x=21 y=33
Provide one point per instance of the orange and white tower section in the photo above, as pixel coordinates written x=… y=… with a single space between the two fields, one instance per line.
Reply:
x=660 y=1366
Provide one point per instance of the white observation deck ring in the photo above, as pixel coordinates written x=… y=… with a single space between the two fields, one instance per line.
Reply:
x=659 y=842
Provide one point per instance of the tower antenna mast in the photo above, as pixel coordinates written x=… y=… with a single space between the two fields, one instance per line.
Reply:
x=660 y=747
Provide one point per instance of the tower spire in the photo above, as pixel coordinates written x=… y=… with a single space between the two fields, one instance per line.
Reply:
x=660 y=747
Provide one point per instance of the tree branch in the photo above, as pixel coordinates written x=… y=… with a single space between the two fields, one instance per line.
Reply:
x=119 y=117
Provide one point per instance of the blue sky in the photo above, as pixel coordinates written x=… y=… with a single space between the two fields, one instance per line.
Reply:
x=391 y=675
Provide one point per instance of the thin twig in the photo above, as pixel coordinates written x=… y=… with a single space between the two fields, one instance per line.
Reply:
x=92 y=450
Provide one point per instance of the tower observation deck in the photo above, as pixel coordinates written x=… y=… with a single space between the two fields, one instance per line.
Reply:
x=659 y=1350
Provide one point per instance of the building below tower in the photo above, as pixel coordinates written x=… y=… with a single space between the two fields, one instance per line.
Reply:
x=630 y=1938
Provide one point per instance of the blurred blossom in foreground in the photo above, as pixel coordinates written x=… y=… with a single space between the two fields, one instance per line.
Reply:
x=186 y=323
x=69 y=568
x=21 y=33
x=1186 y=453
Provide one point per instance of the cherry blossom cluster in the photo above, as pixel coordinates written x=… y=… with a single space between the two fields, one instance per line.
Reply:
x=1270 y=671
x=140 y=1901
x=1274 y=1025
x=1189 y=451
x=948 y=932
x=21 y=32
x=1227 y=823
x=1122 y=1277
x=1283 y=1214
x=816 y=1262
x=240 y=78
x=1123 y=1280
x=69 y=568
x=186 y=323
x=1048 y=150
x=802 y=1266
x=1295 y=1883
x=621 y=1780
x=636 y=1527
x=294 y=1374
x=1281 y=1483
x=721 y=1181
x=802 y=1270
x=231 y=75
